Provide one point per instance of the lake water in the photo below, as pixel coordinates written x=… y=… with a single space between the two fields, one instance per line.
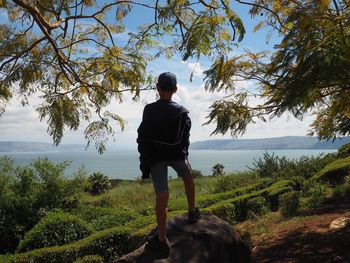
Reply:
x=125 y=164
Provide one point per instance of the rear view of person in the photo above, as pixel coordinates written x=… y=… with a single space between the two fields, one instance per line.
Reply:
x=163 y=140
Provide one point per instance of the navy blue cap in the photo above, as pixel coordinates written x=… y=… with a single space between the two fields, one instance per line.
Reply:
x=167 y=81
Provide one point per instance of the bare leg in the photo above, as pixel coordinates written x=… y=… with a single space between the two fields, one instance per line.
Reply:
x=161 y=214
x=190 y=191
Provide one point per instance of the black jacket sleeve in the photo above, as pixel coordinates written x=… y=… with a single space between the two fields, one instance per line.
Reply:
x=143 y=142
x=186 y=135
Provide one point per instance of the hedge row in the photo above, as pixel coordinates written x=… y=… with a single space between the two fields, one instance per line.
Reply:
x=335 y=172
x=114 y=242
x=206 y=200
x=105 y=217
x=110 y=244
x=55 y=229
x=237 y=209
x=90 y=259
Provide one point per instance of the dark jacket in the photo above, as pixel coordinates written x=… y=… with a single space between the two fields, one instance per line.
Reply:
x=163 y=134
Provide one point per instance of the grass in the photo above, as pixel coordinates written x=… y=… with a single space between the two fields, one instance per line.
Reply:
x=5 y=258
x=139 y=196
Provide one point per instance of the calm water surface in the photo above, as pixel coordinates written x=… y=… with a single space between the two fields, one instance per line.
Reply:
x=125 y=164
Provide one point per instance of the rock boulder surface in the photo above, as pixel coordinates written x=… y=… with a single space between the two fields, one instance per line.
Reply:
x=211 y=239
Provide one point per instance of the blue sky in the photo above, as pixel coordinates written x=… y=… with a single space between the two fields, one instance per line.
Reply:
x=22 y=123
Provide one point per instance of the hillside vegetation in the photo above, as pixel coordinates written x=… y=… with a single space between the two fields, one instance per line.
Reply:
x=37 y=201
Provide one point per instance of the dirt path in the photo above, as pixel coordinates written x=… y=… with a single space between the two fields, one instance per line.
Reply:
x=311 y=240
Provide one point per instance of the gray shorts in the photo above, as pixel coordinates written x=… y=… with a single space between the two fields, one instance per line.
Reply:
x=159 y=173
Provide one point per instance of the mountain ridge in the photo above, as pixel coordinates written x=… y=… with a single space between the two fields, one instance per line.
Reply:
x=274 y=143
x=20 y=146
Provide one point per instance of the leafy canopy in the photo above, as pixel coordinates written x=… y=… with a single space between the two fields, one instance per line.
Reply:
x=73 y=55
x=306 y=73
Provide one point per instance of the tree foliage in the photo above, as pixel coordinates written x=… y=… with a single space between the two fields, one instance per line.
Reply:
x=27 y=192
x=218 y=169
x=306 y=73
x=99 y=183
x=73 y=55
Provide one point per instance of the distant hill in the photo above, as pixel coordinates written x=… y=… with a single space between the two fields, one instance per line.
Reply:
x=37 y=147
x=278 y=143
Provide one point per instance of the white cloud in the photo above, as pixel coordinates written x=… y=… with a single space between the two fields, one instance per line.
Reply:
x=22 y=123
x=195 y=67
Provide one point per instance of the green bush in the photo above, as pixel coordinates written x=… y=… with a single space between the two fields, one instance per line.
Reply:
x=225 y=183
x=289 y=203
x=334 y=173
x=90 y=259
x=197 y=173
x=247 y=206
x=341 y=190
x=316 y=195
x=56 y=228
x=299 y=183
x=224 y=211
x=25 y=192
x=110 y=244
x=218 y=169
x=242 y=202
x=257 y=206
x=274 y=194
x=281 y=168
x=344 y=151
x=211 y=199
x=105 y=217
x=99 y=183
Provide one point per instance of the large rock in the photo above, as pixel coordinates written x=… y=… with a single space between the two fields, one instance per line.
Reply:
x=340 y=223
x=211 y=239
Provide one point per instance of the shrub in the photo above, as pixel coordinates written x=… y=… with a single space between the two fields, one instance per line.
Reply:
x=196 y=173
x=230 y=182
x=90 y=259
x=316 y=195
x=344 y=151
x=247 y=206
x=218 y=169
x=299 y=183
x=257 y=206
x=99 y=183
x=242 y=202
x=341 y=190
x=55 y=228
x=27 y=191
x=289 y=203
x=280 y=167
x=110 y=244
x=334 y=173
x=274 y=194
x=210 y=199
x=224 y=211
x=105 y=201
x=105 y=217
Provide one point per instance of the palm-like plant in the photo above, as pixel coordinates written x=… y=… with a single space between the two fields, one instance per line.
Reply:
x=218 y=169
x=99 y=183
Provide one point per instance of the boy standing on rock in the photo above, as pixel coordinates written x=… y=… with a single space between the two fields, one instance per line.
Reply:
x=163 y=140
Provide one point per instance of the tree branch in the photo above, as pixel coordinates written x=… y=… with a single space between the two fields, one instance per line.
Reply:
x=22 y=53
x=265 y=8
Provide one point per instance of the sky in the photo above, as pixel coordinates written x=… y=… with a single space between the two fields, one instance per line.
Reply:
x=20 y=123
